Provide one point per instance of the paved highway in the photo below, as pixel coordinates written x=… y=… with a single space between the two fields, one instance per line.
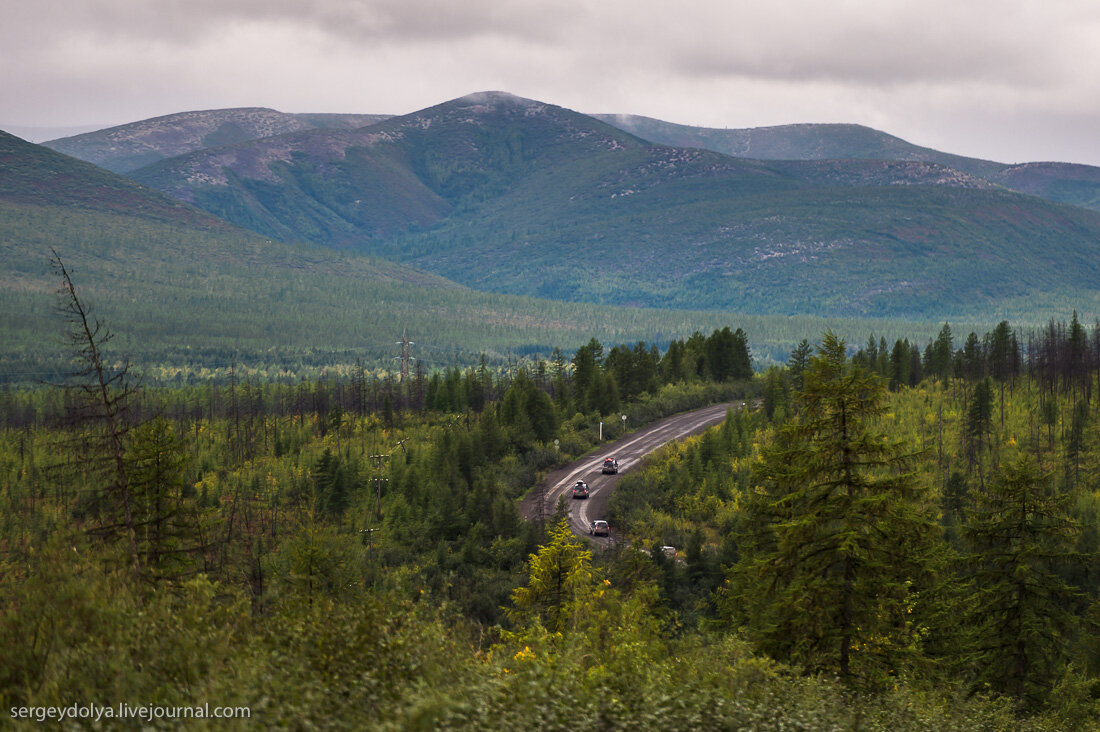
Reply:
x=629 y=451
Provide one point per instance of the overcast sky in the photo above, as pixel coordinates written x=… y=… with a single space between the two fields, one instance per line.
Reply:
x=1007 y=80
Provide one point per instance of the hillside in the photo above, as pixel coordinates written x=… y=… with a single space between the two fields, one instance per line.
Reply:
x=190 y=292
x=512 y=195
x=32 y=174
x=127 y=147
x=361 y=187
x=1078 y=185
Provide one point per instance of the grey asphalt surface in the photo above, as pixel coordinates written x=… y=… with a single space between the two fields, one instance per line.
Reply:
x=629 y=451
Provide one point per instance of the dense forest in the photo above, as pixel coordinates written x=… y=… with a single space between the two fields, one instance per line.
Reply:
x=188 y=306
x=898 y=538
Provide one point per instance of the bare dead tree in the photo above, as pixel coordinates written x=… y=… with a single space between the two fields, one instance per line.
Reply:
x=101 y=400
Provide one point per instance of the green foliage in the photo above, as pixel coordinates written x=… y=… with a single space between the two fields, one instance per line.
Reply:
x=349 y=572
x=559 y=585
x=169 y=521
x=1019 y=531
x=840 y=540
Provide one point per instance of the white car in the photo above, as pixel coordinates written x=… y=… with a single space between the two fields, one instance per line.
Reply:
x=599 y=528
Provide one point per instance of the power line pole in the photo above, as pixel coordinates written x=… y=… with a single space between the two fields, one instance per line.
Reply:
x=370 y=541
x=378 y=482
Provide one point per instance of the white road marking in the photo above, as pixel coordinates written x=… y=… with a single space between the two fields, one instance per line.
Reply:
x=563 y=487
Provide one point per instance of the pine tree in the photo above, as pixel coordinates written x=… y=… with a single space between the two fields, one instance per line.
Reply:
x=839 y=535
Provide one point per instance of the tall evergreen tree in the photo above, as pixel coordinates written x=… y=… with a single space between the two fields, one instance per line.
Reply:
x=942 y=353
x=1019 y=531
x=979 y=421
x=797 y=363
x=840 y=535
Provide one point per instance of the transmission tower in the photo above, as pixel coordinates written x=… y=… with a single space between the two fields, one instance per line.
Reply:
x=406 y=354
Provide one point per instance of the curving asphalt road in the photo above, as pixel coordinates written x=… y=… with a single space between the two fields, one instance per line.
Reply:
x=629 y=451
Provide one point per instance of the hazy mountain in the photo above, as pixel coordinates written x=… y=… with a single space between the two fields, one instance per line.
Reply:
x=513 y=195
x=39 y=134
x=181 y=288
x=1062 y=182
x=361 y=187
x=131 y=146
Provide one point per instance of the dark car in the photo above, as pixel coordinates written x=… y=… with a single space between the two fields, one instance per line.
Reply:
x=580 y=490
x=599 y=528
x=610 y=466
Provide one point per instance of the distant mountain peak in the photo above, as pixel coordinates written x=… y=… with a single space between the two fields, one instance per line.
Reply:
x=126 y=148
x=496 y=98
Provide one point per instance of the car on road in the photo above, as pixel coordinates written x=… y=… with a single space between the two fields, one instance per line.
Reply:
x=599 y=528
x=610 y=466
x=580 y=490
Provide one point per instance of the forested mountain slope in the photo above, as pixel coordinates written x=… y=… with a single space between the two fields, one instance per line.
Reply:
x=512 y=195
x=32 y=174
x=1078 y=185
x=186 y=290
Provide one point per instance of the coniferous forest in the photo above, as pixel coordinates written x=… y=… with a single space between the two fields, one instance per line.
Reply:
x=889 y=536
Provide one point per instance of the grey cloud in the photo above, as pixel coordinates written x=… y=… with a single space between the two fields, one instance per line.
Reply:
x=718 y=62
x=887 y=42
x=392 y=21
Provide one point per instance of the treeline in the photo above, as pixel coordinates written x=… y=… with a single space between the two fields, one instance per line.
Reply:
x=1059 y=353
x=592 y=380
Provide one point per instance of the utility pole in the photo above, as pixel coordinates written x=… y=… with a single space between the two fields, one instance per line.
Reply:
x=370 y=541
x=378 y=482
x=378 y=479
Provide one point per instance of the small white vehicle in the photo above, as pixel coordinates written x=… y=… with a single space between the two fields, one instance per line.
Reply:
x=599 y=528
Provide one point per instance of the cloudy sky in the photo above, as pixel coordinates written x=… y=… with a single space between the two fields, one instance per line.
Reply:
x=1010 y=80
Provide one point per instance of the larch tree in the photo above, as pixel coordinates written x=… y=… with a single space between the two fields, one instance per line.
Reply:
x=560 y=578
x=99 y=403
x=1020 y=532
x=840 y=538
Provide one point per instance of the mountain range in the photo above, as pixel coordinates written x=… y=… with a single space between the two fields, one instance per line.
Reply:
x=187 y=294
x=1062 y=182
x=137 y=144
x=513 y=195
x=507 y=195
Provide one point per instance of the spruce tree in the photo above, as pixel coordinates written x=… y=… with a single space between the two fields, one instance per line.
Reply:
x=796 y=364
